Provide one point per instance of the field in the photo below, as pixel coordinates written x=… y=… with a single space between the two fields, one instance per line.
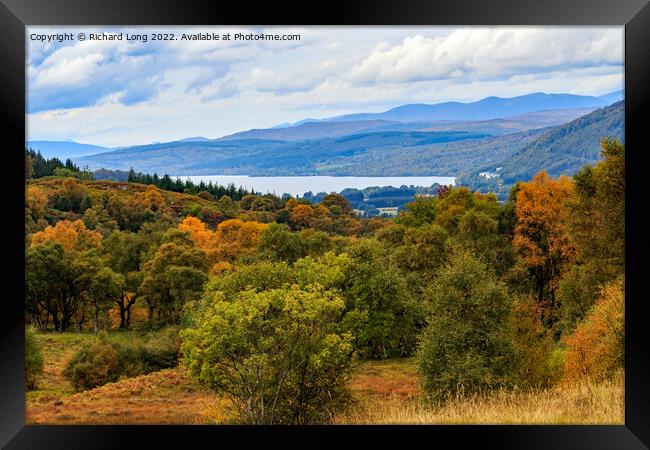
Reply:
x=384 y=392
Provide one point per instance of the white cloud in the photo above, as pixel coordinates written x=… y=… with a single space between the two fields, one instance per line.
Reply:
x=118 y=93
x=489 y=52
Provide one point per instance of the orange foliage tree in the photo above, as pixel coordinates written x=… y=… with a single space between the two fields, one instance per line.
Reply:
x=71 y=235
x=595 y=349
x=302 y=216
x=540 y=238
x=232 y=239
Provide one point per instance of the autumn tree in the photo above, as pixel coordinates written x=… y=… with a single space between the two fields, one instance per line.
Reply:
x=35 y=205
x=597 y=229
x=596 y=348
x=337 y=204
x=541 y=238
x=301 y=216
x=71 y=235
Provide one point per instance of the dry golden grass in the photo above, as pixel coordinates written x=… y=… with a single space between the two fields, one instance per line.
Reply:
x=57 y=350
x=580 y=403
x=384 y=392
x=164 y=397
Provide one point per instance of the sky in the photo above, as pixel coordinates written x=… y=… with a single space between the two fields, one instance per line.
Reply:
x=129 y=92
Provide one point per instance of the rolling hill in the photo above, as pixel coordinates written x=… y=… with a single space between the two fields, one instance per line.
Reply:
x=262 y=157
x=560 y=150
x=564 y=150
x=439 y=150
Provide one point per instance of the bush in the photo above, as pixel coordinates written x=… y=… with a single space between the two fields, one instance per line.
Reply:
x=93 y=365
x=276 y=354
x=537 y=364
x=107 y=359
x=465 y=347
x=596 y=347
x=161 y=350
x=33 y=359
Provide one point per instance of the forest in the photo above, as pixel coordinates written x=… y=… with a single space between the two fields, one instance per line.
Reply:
x=281 y=310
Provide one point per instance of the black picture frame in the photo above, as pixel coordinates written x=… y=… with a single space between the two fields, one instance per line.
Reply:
x=633 y=14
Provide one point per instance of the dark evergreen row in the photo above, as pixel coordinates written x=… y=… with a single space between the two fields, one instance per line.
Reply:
x=188 y=186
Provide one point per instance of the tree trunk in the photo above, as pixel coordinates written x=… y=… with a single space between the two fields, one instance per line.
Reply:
x=83 y=317
x=55 y=320
x=96 y=318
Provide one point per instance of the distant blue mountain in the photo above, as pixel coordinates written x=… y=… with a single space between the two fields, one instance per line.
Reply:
x=366 y=143
x=613 y=97
x=193 y=139
x=488 y=108
x=65 y=149
x=315 y=130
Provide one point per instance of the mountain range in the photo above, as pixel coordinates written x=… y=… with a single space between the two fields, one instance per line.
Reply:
x=485 y=109
x=557 y=132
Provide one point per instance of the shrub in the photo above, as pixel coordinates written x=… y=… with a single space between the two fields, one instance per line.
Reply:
x=596 y=347
x=275 y=354
x=33 y=359
x=465 y=347
x=533 y=345
x=159 y=351
x=93 y=365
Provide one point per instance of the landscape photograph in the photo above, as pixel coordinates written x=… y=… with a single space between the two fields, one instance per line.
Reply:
x=324 y=225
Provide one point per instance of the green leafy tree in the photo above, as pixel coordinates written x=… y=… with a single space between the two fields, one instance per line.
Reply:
x=125 y=252
x=597 y=229
x=422 y=211
x=277 y=242
x=276 y=354
x=50 y=284
x=174 y=275
x=465 y=347
x=101 y=285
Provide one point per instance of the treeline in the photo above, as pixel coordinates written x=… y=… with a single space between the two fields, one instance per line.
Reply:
x=36 y=166
x=188 y=186
x=277 y=296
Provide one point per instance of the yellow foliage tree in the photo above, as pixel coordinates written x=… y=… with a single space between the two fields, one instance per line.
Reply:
x=71 y=235
x=232 y=239
x=153 y=199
